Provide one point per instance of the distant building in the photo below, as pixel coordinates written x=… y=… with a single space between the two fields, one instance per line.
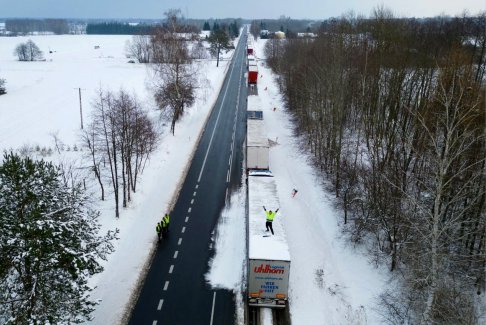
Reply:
x=186 y=36
x=306 y=35
x=264 y=33
x=204 y=34
x=4 y=31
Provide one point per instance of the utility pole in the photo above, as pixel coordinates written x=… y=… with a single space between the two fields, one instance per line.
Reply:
x=80 y=107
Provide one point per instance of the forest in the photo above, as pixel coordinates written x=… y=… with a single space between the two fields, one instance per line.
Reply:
x=393 y=113
x=118 y=28
x=26 y=26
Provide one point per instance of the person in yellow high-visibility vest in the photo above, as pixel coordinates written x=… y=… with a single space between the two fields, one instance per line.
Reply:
x=158 y=228
x=270 y=216
x=165 y=225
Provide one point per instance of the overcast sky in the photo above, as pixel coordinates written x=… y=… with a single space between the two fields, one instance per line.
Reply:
x=314 y=9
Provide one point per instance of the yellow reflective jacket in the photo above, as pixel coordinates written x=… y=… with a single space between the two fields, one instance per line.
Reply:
x=165 y=220
x=270 y=215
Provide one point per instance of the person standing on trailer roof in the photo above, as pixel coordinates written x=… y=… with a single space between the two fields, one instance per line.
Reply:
x=270 y=216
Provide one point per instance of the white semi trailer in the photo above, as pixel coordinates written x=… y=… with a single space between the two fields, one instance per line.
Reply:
x=256 y=143
x=268 y=255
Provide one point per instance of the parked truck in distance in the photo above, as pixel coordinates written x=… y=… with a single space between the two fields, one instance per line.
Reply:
x=252 y=74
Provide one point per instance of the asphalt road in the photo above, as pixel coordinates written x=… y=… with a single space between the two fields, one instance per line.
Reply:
x=175 y=291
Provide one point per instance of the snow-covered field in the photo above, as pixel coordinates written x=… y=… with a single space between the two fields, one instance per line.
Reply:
x=43 y=97
x=330 y=282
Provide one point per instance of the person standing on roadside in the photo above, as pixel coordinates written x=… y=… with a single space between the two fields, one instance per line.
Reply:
x=165 y=225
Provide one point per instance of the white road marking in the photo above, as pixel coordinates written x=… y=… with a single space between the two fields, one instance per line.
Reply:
x=183 y=229
x=197 y=186
x=187 y=219
x=216 y=124
x=189 y=210
x=212 y=309
x=161 y=302
x=192 y=201
x=154 y=322
x=228 y=175
x=179 y=242
x=194 y=194
x=171 y=269
x=229 y=171
x=176 y=253
x=166 y=285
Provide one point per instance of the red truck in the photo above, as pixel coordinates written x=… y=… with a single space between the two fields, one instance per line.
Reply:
x=252 y=74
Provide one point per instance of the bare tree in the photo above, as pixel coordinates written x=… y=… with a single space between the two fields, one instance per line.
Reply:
x=122 y=134
x=22 y=52
x=28 y=51
x=3 y=90
x=454 y=134
x=91 y=142
x=140 y=48
x=198 y=51
x=175 y=74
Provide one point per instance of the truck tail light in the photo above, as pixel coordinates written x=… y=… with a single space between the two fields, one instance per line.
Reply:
x=254 y=294
x=280 y=296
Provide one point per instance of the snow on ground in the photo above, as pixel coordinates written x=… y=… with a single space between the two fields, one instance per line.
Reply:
x=41 y=100
x=227 y=267
x=42 y=96
x=330 y=282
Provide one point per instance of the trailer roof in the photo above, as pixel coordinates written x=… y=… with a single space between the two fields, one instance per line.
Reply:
x=262 y=191
x=256 y=135
x=253 y=68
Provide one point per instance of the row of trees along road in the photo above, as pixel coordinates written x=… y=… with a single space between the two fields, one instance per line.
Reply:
x=121 y=136
x=50 y=244
x=393 y=112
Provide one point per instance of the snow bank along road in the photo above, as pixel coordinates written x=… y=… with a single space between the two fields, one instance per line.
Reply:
x=175 y=291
